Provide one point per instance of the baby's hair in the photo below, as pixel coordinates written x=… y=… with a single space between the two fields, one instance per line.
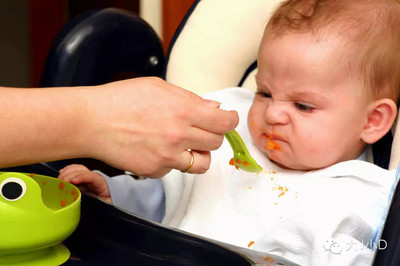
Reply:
x=370 y=27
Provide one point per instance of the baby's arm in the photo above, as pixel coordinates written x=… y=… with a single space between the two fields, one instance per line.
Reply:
x=141 y=197
x=87 y=181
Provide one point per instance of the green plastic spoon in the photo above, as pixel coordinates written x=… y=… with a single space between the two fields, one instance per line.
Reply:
x=241 y=156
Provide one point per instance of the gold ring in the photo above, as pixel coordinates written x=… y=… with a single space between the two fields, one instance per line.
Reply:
x=191 y=162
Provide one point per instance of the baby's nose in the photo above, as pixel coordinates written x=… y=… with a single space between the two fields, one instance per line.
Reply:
x=276 y=113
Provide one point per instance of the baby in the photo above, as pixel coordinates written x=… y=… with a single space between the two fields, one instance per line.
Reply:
x=327 y=86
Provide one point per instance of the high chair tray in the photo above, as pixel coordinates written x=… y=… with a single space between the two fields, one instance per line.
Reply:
x=107 y=235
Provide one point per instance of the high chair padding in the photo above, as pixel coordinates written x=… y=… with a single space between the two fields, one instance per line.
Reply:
x=217 y=43
x=101 y=46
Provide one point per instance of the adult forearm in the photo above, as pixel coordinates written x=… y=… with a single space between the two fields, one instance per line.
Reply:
x=40 y=124
x=142 y=125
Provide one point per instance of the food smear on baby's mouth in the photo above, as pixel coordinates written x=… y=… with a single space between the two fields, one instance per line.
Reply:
x=271 y=144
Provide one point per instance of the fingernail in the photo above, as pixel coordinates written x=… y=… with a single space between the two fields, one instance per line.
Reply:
x=212 y=103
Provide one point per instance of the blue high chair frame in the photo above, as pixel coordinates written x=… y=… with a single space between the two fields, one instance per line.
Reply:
x=97 y=47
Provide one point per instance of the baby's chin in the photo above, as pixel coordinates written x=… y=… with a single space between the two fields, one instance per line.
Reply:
x=280 y=160
x=297 y=166
x=277 y=161
x=280 y=165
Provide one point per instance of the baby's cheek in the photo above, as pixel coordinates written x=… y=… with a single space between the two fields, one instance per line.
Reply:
x=314 y=157
x=254 y=126
x=308 y=150
x=254 y=130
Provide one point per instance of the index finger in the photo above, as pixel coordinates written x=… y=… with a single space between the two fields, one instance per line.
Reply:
x=191 y=95
x=205 y=115
x=214 y=120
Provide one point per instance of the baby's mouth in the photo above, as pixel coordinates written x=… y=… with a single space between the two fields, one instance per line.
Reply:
x=271 y=142
x=273 y=136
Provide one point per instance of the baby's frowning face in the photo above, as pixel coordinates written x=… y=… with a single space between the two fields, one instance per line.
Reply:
x=309 y=111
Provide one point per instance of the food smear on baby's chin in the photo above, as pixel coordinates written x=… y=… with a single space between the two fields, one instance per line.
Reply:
x=271 y=144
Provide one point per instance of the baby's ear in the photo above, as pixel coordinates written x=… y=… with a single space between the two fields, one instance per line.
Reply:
x=381 y=116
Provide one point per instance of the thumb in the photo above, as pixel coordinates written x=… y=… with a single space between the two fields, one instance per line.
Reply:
x=197 y=98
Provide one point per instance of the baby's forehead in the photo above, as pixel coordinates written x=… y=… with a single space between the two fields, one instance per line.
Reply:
x=310 y=60
x=331 y=33
x=353 y=22
x=345 y=52
x=325 y=16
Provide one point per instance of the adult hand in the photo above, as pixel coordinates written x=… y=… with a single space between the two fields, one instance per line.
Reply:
x=146 y=125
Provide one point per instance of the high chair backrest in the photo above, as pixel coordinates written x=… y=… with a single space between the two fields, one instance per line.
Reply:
x=216 y=47
x=217 y=43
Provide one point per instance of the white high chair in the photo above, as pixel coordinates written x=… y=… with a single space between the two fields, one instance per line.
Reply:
x=215 y=47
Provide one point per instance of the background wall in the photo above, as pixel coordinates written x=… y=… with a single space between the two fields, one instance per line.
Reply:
x=27 y=28
x=14 y=56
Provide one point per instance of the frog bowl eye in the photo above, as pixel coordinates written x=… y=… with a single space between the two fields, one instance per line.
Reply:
x=12 y=189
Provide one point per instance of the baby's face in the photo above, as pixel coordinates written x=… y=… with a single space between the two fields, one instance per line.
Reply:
x=309 y=110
